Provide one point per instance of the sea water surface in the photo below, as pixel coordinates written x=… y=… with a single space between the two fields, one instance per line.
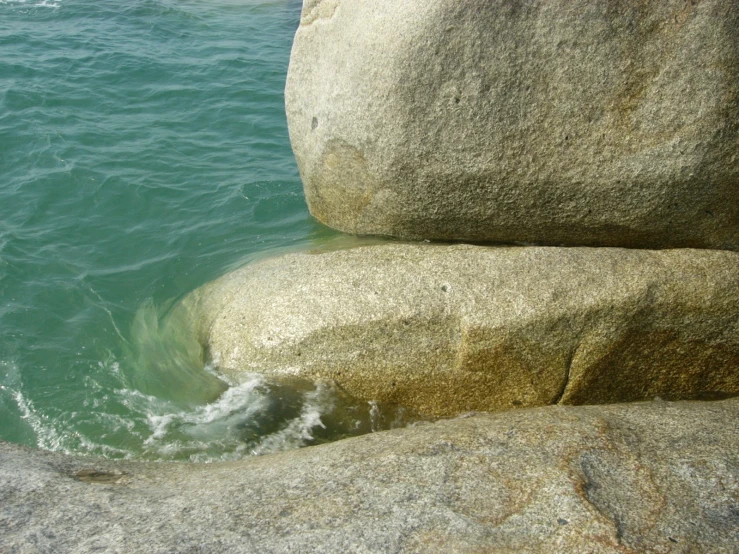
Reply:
x=144 y=152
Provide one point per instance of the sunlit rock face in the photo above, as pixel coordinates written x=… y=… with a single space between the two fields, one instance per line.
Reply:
x=650 y=477
x=550 y=122
x=445 y=329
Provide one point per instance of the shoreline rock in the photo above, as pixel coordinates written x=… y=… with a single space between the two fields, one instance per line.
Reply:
x=446 y=329
x=648 y=477
x=551 y=122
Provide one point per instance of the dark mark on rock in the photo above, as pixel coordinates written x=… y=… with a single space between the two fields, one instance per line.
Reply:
x=99 y=477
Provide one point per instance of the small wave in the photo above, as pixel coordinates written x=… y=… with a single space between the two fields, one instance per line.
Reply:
x=158 y=400
x=262 y=416
x=259 y=415
x=34 y=3
x=299 y=431
x=192 y=412
x=47 y=436
x=163 y=357
x=252 y=418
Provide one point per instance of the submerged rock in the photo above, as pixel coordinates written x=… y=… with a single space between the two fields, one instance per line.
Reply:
x=552 y=122
x=652 y=477
x=445 y=329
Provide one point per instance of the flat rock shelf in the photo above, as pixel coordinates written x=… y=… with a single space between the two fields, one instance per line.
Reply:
x=646 y=477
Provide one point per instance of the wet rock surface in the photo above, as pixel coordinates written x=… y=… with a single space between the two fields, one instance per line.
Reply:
x=445 y=329
x=561 y=123
x=647 y=477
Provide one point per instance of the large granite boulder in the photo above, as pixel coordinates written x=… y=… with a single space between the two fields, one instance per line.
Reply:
x=565 y=122
x=652 y=477
x=443 y=329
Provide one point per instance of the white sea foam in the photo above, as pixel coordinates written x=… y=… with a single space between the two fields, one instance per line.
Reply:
x=300 y=430
x=235 y=405
x=374 y=413
x=47 y=436
x=255 y=416
x=220 y=430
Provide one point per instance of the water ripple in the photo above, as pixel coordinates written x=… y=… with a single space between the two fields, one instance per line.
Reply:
x=144 y=150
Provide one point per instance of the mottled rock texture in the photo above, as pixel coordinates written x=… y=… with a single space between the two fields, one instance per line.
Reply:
x=443 y=329
x=565 y=122
x=644 y=478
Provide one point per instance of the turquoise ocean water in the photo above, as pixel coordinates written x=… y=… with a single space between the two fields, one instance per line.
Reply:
x=144 y=152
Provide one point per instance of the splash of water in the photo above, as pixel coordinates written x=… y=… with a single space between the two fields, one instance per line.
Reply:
x=167 y=405
x=165 y=359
